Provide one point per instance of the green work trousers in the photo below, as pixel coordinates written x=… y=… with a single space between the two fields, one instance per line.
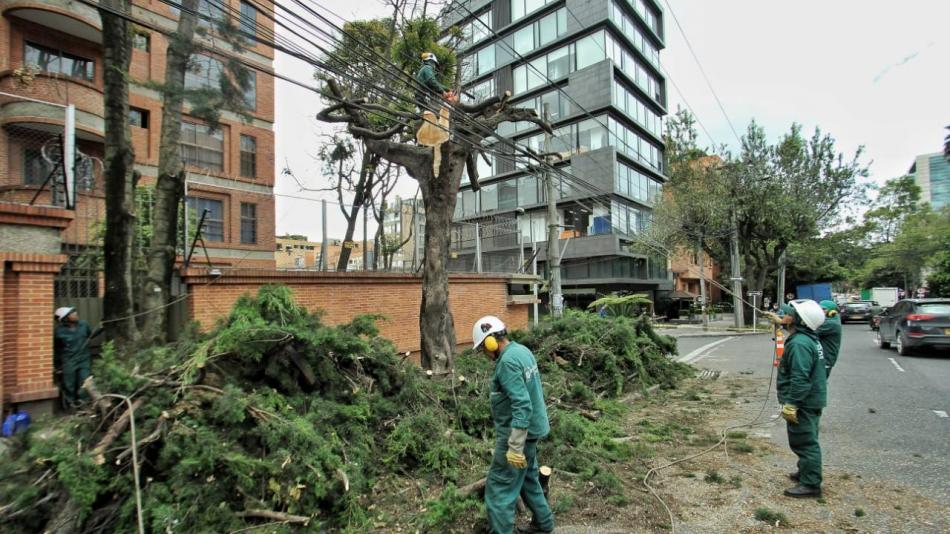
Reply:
x=803 y=440
x=75 y=372
x=505 y=483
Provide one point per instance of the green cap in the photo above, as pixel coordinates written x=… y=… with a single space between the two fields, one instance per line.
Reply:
x=828 y=305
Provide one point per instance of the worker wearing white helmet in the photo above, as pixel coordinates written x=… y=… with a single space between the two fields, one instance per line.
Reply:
x=521 y=419
x=802 y=391
x=71 y=354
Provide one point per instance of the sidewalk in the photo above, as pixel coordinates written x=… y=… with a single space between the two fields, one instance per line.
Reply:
x=724 y=324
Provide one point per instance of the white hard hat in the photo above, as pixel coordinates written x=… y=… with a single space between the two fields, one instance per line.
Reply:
x=61 y=313
x=810 y=312
x=484 y=327
x=429 y=56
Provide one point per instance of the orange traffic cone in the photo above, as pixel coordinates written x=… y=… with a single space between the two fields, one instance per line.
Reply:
x=779 y=345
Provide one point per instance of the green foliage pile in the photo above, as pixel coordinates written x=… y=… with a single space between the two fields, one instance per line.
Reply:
x=276 y=411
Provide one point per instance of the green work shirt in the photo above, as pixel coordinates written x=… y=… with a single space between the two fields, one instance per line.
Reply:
x=427 y=77
x=517 y=400
x=829 y=335
x=69 y=341
x=802 y=379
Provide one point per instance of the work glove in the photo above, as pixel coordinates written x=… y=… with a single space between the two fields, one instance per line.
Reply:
x=515 y=454
x=773 y=318
x=790 y=413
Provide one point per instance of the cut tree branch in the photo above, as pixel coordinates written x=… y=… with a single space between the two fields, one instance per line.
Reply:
x=277 y=516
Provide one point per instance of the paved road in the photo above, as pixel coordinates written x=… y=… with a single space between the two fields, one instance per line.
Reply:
x=886 y=416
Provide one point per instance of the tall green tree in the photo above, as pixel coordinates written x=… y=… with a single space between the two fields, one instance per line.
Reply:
x=438 y=186
x=120 y=177
x=196 y=32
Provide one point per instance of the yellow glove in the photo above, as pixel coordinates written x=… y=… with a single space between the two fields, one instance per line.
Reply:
x=515 y=454
x=516 y=460
x=790 y=414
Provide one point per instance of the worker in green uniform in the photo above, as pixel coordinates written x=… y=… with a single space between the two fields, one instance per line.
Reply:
x=71 y=352
x=829 y=334
x=428 y=78
x=521 y=419
x=802 y=391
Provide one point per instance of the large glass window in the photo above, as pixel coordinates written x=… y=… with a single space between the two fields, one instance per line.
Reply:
x=203 y=72
x=489 y=198
x=213 y=227
x=524 y=40
x=590 y=50
x=528 y=190
x=248 y=19
x=485 y=59
x=559 y=63
x=202 y=147
x=508 y=194
x=210 y=13
x=55 y=61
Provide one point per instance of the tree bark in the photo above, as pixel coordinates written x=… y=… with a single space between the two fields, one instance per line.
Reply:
x=170 y=185
x=363 y=189
x=120 y=178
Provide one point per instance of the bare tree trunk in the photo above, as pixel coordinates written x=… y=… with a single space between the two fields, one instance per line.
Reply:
x=170 y=186
x=364 y=189
x=120 y=177
x=436 y=323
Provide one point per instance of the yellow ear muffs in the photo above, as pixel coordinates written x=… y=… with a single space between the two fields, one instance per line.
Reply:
x=491 y=344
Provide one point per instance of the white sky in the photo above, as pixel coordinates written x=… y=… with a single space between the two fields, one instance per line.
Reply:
x=869 y=72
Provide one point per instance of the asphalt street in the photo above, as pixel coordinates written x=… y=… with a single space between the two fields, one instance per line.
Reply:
x=887 y=415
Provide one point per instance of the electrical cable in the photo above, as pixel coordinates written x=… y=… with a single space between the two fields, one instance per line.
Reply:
x=703 y=71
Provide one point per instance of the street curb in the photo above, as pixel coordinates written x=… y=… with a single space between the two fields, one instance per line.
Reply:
x=712 y=333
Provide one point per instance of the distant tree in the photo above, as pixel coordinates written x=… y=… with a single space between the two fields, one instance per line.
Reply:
x=898 y=198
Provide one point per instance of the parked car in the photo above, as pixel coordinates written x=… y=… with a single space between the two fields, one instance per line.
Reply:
x=856 y=311
x=915 y=323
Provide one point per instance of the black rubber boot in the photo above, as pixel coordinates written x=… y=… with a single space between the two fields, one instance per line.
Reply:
x=803 y=492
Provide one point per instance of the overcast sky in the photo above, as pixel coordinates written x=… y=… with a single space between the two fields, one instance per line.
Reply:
x=869 y=72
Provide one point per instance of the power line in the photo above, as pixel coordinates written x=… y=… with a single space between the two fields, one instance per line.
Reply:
x=703 y=71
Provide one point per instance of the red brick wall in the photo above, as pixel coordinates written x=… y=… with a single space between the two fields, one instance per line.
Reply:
x=343 y=296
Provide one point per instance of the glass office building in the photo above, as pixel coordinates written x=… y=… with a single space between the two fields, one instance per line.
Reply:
x=595 y=64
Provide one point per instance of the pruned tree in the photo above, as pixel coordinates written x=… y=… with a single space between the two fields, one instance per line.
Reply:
x=120 y=178
x=438 y=186
x=206 y=103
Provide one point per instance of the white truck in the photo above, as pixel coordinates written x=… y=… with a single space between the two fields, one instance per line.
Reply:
x=884 y=296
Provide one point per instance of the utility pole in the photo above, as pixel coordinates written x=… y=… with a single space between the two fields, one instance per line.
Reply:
x=702 y=280
x=737 y=307
x=780 y=285
x=365 y=252
x=478 y=248
x=534 y=271
x=554 y=259
x=324 y=253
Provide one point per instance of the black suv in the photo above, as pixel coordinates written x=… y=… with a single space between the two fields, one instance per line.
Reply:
x=856 y=311
x=913 y=323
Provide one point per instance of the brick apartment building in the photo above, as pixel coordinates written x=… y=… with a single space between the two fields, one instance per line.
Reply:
x=297 y=252
x=51 y=55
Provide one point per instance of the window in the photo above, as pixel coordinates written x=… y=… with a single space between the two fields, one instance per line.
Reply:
x=213 y=228
x=248 y=156
x=480 y=91
x=559 y=63
x=202 y=147
x=35 y=168
x=209 y=12
x=524 y=40
x=248 y=20
x=250 y=93
x=203 y=72
x=489 y=198
x=485 y=60
x=54 y=61
x=141 y=41
x=528 y=190
x=508 y=194
x=590 y=50
x=138 y=117
x=520 y=8
x=248 y=223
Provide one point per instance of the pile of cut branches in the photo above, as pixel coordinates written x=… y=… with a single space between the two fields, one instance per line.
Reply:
x=277 y=418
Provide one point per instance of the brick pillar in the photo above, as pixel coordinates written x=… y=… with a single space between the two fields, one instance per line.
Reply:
x=30 y=259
